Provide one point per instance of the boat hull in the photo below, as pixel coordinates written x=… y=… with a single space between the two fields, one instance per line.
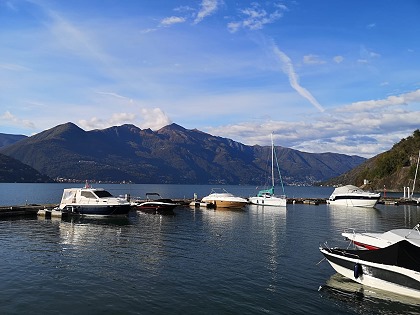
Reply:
x=225 y=200
x=228 y=204
x=354 y=202
x=97 y=210
x=268 y=201
x=157 y=207
x=382 y=276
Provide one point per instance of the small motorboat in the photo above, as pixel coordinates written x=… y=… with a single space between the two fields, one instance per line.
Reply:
x=375 y=240
x=155 y=204
x=352 y=196
x=395 y=268
x=220 y=198
x=91 y=201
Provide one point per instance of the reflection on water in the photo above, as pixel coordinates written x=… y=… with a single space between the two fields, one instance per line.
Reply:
x=366 y=300
x=358 y=218
x=259 y=260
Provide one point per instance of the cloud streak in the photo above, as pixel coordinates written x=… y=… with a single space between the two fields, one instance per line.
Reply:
x=289 y=70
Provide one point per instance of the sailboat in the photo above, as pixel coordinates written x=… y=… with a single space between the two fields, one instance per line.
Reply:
x=414 y=183
x=267 y=197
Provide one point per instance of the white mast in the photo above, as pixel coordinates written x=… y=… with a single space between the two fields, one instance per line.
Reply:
x=415 y=177
x=272 y=161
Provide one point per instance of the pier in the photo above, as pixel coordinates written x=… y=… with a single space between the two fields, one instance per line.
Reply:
x=32 y=209
x=23 y=210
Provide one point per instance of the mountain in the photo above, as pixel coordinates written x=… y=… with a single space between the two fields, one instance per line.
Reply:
x=14 y=171
x=6 y=139
x=172 y=154
x=393 y=169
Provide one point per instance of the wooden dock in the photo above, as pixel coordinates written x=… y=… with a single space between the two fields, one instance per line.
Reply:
x=24 y=210
x=32 y=209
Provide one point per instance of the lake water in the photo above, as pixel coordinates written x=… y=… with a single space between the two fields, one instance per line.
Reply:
x=198 y=261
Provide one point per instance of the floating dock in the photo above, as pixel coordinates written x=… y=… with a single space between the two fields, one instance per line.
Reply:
x=47 y=210
x=25 y=210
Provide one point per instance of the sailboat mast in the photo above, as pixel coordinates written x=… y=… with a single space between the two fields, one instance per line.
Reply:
x=272 y=161
x=415 y=176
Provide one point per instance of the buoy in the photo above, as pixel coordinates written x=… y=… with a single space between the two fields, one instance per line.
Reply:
x=358 y=271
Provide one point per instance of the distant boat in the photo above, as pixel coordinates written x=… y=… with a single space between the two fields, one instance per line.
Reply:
x=220 y=198
x=156 y=204
x=91 y=201
x=352 y=196
x=266 y=196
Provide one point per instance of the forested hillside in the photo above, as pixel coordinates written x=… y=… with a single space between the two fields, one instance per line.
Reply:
x=393 y=169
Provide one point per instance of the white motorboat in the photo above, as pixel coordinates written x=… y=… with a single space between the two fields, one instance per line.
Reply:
x=92 y=201
x=267 y=196
x=352 y=196
x=223 y=199
x=375 y=240
x=395 y=268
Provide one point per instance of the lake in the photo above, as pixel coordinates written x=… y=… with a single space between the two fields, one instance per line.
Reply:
x=259 y=260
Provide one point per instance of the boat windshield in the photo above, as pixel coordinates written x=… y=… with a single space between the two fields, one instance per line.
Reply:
x=102 y=194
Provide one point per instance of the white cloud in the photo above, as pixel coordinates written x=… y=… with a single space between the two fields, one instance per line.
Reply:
x=207 y=7
x=293 y=78
x=256 y=17
x=338 y=59
x=348 y=134
x=154 y=118
x=9 y=119
x=172 y=20
x=398 y=100
x=312 y=60
x=122 y=118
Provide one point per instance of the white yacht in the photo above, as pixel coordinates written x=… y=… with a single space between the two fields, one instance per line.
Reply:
x=352 y=196
x=92 y=201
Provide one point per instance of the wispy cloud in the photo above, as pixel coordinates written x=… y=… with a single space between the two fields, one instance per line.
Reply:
x=364 y=106
x=13 y=67
x=114 y=95
x=293 y=78
x=9 y=119
x=256 y=17
x=172 y=20
x=207 y=7
x=312 y=60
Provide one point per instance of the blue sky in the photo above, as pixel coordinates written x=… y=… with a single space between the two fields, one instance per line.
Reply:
x=324 y=76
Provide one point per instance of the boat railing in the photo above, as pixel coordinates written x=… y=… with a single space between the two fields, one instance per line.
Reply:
x=415 y=228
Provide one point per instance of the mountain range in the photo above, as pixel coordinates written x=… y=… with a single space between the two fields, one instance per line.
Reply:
x=14 y=171
x=171 y=154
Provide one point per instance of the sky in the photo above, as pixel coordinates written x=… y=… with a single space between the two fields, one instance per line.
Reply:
x=322 y=76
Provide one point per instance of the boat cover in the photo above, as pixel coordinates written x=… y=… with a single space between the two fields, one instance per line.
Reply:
x=402 y=254
x=342 y=190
